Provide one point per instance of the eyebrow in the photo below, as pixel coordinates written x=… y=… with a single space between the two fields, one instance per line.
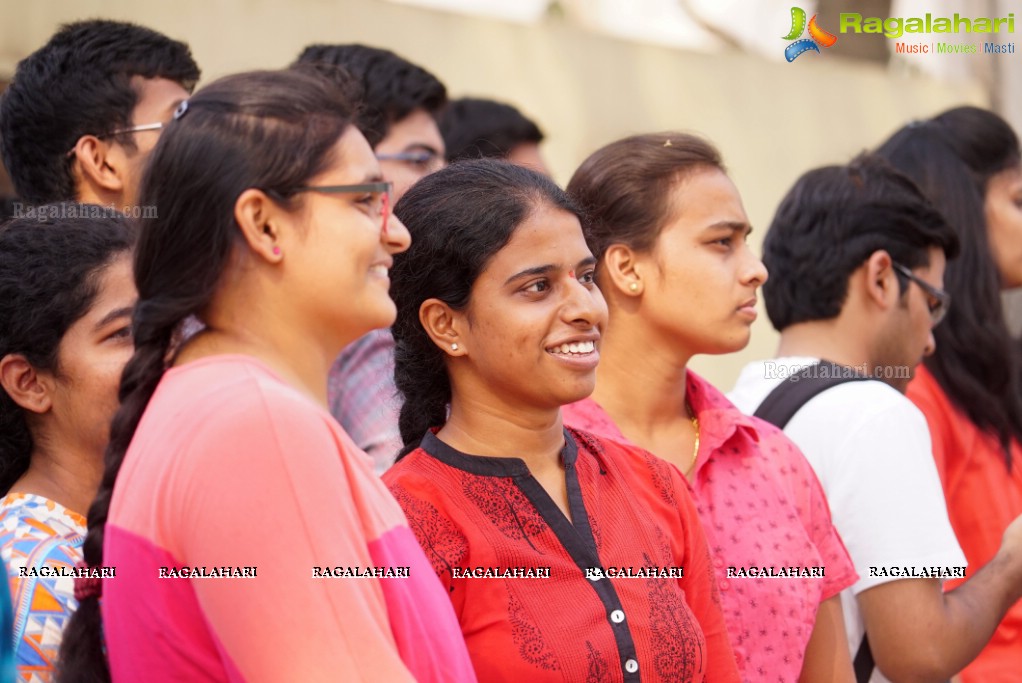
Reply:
x=733 y=226
x=548 y=268
x=114 y=315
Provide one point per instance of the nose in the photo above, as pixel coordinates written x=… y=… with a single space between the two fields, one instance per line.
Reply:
x=396 y=237
x=931 y=344
x=584 y=305
x=754 y=272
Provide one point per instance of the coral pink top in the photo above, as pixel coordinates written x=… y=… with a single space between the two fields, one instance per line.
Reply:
x=763 y=510
x=983 y=498
x=232 y=471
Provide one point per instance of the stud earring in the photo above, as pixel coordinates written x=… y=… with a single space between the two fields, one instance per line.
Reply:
x=454 y=347
x=276 y=251
x=633 y=286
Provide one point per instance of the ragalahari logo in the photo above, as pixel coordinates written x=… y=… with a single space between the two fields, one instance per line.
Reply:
x=817 y=36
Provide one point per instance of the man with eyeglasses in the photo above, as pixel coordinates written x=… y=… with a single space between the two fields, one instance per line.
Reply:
x=856 y=257
x=400 y=105
x=83 y=112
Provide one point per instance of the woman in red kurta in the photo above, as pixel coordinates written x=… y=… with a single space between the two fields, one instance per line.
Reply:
x=567 y=557
x=966 y=160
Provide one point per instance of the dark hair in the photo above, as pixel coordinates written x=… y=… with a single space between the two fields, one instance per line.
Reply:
x=477 y=128
x=624 y=188
x=272 y=130
x=830 y=222
x=49 y=278
x=952 y=158
x=392 y=87
x=78 y=84
x=458 y=217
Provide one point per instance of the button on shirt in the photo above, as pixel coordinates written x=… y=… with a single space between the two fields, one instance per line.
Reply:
x=761 y=507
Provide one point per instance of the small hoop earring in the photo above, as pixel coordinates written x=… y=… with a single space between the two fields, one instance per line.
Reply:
x=454 y=347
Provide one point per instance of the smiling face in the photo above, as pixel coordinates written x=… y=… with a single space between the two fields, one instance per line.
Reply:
x=1003 y=208
x=531 y=330
x=340 y=262
x=90 y=359
x=700 y=278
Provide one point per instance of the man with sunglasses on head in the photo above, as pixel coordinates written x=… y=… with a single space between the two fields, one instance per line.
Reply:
x=856 y=257
x=400 y=105
x=83 y=112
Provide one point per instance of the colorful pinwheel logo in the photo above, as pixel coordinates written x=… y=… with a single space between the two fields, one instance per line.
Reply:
x=817 y=36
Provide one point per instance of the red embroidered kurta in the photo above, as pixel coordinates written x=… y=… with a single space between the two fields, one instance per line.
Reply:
x=629 y=510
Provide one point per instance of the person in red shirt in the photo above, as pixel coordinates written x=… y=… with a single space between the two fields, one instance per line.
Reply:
x=567 y=557
x=966 y=160
x=670 y=231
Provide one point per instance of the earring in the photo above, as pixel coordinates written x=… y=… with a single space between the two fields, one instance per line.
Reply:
x=276 y=251
x=633 y=286
x=454 y=347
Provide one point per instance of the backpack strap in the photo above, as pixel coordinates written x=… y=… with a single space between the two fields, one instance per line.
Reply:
x=797 y=389
x=780 y=406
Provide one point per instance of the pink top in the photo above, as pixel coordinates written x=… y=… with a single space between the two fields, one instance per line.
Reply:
x=232 y=471
x=764 y=512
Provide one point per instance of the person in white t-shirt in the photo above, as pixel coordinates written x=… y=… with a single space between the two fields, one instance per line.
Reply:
x=856 y=258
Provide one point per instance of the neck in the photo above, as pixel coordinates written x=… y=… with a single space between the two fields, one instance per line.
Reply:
x=482 y=428
x=647 y=389
x=831 y=340
x=62 y=475
x=87 y=194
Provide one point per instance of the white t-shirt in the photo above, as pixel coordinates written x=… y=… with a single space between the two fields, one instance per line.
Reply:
x=870 y=448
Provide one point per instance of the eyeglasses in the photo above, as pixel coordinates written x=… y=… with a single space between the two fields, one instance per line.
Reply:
x=939 y=301
x=426 y=159
x=383 y=189
x=121 y=131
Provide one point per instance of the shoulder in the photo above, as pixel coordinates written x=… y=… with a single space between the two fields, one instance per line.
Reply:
x=237 y=397
x=35 y=530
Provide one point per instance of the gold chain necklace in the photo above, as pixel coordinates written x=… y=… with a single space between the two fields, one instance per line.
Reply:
x=695 y=425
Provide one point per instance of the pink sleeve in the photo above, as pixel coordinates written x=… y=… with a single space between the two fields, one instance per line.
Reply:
x=270 y=486
x=839 y=572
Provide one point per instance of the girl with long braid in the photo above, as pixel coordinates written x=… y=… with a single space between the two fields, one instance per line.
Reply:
x=227 y=483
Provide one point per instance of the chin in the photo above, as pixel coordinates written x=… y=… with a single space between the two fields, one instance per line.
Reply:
x=576 y=392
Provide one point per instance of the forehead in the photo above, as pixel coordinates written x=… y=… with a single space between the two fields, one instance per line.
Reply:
x=705 y=196
x=157 y=98
x=549 y=236
x=115 y=287
x=417 y=129
x=352 y=158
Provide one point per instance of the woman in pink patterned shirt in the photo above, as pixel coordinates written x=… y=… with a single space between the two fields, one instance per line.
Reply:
x=669 y=230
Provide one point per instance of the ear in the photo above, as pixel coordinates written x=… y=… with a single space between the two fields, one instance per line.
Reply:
x=26 y=387
x=622 y=271
x=880 y=281
x=442 y=324
x=98 y=166
x=260 y=220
